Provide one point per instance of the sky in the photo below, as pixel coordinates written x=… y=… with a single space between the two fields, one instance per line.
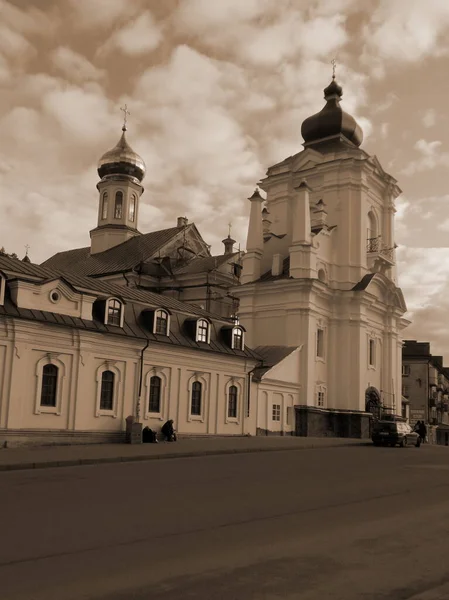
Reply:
x=217 y=91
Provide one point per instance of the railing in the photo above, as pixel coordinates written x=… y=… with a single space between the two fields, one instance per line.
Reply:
x=375 y=246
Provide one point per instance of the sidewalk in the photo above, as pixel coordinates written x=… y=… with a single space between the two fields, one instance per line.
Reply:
x=68 y=456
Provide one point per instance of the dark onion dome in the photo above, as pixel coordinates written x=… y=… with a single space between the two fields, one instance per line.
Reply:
x=331 y=120
x=122 y=160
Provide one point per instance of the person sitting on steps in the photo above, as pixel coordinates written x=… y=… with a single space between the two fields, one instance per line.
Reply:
x=169 y=431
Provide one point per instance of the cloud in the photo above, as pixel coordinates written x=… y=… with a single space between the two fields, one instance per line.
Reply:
x=430 y=159
x=102 y=14
x=406 y=32
x=429 y=118
x=32 y=20
x=140 y=36
x=13 y=43
x=75 y=66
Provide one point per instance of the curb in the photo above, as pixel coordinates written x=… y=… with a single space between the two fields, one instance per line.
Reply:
x=50 y=464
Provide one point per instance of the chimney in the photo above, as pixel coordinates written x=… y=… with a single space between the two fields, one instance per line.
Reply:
x=277 y=265
x=182 y=222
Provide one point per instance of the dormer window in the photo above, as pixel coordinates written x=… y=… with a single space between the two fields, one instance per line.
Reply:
x=104 y=206
x=237 y=338
x=114 y=313
x=118 y=210
x=202 y=331
x=161 y=322
x=2 y=289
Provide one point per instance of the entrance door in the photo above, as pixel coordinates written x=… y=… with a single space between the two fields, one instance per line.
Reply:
x=373 y=405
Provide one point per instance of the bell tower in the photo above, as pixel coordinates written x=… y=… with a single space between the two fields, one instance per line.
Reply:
x=121 y=171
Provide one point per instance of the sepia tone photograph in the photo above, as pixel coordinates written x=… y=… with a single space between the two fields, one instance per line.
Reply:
x=224 y=288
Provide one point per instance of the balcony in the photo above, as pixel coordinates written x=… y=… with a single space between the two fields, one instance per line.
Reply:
x=377 y=251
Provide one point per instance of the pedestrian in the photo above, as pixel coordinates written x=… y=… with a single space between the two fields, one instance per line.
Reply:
x=423 y=432
x=169 y=431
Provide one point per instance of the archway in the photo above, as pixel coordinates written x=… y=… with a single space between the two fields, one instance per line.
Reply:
x=373 y=404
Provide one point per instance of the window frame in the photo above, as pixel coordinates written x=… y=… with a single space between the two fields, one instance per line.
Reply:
x=405 y=370
x=198 y=378
x=167 y=321
x=133 y=205
x=240 y=336
x=200 y=326
x=109 y=308
x=156 y=371
x=321 y=396
x=109 y=365
x=320 y=352
x=2 y=288
x=235 y=402
x=119 y=198
x=54 y=376
x=372 y=351
x=110 y=385
x=50 y=358
x=276 y=412
x=104 y=206
x=153 y=379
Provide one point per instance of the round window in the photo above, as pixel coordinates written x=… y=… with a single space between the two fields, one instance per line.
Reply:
x=55 y=296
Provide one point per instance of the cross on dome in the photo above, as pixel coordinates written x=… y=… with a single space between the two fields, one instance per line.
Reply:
x=126 y=112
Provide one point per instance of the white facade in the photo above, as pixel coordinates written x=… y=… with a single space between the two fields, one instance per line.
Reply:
x=328 y=276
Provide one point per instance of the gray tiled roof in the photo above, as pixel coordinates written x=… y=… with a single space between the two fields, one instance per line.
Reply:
x=202 y=265
x=15 y=268
x=123 y=257
x=267 y=276
x=271 y=356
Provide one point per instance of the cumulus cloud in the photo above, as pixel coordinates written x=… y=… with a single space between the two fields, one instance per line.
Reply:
x=429 y=118
x=139 y=36
x=102 y=14
x=431 y=157
x=75 y=66
x=30 y=20
x=406 y=32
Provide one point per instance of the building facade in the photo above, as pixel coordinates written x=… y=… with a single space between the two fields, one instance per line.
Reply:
x=320 y=270
x=425 y=384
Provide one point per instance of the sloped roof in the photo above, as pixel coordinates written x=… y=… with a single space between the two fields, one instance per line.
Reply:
x=204 y=264
x=267 y=276
x=123 y=257
x=271 y=356
x=12 y=266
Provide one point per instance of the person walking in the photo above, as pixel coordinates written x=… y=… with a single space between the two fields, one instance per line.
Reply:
x=422 y=432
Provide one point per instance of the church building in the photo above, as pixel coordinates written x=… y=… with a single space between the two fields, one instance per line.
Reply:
x=300 y=334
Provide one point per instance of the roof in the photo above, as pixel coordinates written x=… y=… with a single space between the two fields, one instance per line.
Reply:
x=131 y=328
x=15 y=266
x=267 y=276
x=271 y=356
x=202 y=265
x=123 y=257
x=363 y=283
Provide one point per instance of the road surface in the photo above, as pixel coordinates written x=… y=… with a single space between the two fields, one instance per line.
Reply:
x=329 y=524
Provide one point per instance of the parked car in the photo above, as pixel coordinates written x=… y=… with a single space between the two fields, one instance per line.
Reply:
x=393 y=433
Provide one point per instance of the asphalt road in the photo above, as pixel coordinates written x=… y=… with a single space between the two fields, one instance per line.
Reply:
x=333 y=524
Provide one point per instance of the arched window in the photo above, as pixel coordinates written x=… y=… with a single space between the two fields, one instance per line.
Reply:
x=195 y=407
x=232 y=402
x=237 y=338
x=372 y=225
x=114 y=316
x=49 y=385
x=107 y=391
x=322 y=275
x=118 y=211
x=155 y=395
x=161 y=322
x=132 y=208
x=202 y=331
x=104 y=206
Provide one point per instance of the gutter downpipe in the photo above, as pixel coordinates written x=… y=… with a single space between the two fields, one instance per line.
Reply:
x=142 y=352
x=248 y=399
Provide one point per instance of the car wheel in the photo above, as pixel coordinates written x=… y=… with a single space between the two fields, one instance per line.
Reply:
x=404 y=442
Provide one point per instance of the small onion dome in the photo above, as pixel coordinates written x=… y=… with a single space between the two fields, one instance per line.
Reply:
x=26 y=259
x=331 y=120
x=122 y=160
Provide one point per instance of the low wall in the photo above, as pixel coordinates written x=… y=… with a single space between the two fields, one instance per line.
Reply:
x=13 y=438
x=320 y=422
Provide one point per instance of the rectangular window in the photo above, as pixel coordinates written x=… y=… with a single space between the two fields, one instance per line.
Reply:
x=372 y=353
x=406 y=370
x=107 y=391
x=195 y=408
x=320 y=343
x=405 y=390
x=276 y=414
x=321 y=398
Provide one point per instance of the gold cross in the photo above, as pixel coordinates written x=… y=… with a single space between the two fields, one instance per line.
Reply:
x=126 y=113
x=334 y=64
